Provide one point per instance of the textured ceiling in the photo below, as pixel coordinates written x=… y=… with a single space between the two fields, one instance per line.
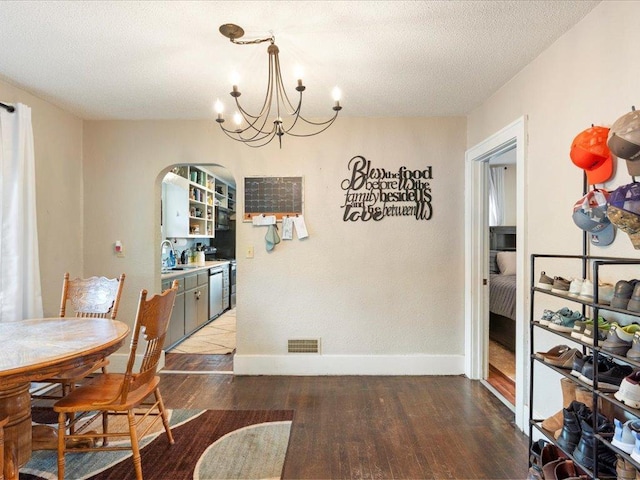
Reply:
x=167 y=60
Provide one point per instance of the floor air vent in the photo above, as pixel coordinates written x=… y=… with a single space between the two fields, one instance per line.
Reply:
x=304 y=346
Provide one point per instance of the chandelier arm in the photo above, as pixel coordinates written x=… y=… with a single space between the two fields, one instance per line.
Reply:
x=311 y=122
x=326 y=125
x=237 y=136
x=251 y=124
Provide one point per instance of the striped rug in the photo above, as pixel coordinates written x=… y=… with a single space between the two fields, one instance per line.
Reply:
x=209 y=444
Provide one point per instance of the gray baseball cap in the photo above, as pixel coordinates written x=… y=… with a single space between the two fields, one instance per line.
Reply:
x=624 y=140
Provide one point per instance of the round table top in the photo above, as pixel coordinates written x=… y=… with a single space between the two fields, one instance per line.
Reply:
x=31 y=346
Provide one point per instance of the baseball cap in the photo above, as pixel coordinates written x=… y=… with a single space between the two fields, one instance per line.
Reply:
x=624 y=211
x=590 y=214
x=624 y=140
x=589 y=151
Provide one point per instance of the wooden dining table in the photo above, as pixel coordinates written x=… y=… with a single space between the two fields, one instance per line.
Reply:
x=36 y=349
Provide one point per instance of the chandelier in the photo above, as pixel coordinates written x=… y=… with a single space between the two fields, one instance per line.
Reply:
x=278 y=116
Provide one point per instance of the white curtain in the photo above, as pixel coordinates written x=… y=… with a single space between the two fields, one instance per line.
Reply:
x=20 y=292
x=496 y=196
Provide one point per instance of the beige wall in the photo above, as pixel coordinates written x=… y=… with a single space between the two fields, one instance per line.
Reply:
x=59 y=191
x=382 y=296
x=589 y=76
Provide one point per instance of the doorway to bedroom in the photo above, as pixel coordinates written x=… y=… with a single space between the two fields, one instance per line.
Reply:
x=477 y=255
x=502 y=203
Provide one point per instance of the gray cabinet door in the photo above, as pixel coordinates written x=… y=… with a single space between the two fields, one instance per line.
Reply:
x=176 y=324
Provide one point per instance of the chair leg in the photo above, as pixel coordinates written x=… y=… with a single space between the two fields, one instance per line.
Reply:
x=62 y=420
x=105 y=428
x=137 y=462
x=163 y=414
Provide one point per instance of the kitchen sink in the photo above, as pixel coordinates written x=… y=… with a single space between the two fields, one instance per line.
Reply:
x=184 y=267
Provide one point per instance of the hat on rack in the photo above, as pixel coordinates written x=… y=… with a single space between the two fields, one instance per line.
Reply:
x=589 y=151
x=590 y=214
x=624 y=140
x=624 y=211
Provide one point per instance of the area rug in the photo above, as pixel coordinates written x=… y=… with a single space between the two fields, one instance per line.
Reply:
x=215 y=338
x=209 y=444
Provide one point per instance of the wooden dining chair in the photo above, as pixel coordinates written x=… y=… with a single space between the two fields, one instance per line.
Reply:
x=94 y=297
x=120 y=393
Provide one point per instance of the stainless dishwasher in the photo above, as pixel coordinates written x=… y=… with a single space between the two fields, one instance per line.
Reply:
x=215 y=291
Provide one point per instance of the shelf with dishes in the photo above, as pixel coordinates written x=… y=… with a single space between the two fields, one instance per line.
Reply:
x=191 y=196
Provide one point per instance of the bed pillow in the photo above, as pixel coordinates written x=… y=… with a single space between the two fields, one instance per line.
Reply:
x=493 y=263
x=506 y=262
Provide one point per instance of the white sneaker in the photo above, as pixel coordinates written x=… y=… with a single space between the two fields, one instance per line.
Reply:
x=586 y=291
x=575 y=287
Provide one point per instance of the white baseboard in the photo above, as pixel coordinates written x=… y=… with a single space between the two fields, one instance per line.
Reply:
x=311 y=364
x=118 y=362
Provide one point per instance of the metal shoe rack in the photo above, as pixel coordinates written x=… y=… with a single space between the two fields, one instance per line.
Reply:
x=535 y=424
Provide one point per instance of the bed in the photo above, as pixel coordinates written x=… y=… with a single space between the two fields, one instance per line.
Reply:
x=502 y=287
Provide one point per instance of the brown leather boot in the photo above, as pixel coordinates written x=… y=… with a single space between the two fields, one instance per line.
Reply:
x=586 y=396
x=554 y=422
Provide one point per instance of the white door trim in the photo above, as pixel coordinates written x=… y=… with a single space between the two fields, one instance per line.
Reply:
x=476 y=253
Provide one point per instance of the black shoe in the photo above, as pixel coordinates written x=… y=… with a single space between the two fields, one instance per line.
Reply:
x=571 y=426
x=583 y=453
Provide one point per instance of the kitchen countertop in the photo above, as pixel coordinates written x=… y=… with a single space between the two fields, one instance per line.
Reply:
x=191 y=268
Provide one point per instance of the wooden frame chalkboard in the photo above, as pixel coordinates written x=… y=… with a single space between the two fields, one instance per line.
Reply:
x=279 y=196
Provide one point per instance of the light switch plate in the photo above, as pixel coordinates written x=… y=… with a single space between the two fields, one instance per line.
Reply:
x=250 y=251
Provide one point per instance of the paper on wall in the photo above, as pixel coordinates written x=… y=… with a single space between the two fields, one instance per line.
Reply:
x=301 y=227
x=287 y=228
x=260 y=220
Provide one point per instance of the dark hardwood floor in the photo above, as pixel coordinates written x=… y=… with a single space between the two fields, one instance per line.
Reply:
x=359 y=427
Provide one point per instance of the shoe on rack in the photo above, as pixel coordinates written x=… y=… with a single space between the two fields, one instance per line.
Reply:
x=575 y=287
x=579 y=326
x=583 y=453
x=619 y=338
x=554 y=422
x=564 y=361
x=604 y=365
x=561 y=285
x=545 y=282
x=566 y=470
x=605 y=293
x=629 y=391
x=586 y=291
x=622 y=293
x=554 y=352
x=590 y=331
x=634 y=301
x=565 y=323
x=550 y=457
x=571 y=425
x=634 y=351
x=623 y=437
x=625 y=469
x=547 y=315
x=610 y=380
x=578 y=363
x=635 y=453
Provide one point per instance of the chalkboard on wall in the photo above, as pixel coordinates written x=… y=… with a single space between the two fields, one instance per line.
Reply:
x=279 y=196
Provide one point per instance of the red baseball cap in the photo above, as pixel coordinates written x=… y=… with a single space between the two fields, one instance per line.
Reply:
x=590 y=152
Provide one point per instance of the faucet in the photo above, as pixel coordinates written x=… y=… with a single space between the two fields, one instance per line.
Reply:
x=164 y=265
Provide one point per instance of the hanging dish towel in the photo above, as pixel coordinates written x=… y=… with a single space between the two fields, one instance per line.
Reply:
x=272 y=238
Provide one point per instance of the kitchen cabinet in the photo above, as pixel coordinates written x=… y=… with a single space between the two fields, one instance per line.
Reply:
x=190 y=196
x=196 y=308
x=191 y=308
x=176 y=324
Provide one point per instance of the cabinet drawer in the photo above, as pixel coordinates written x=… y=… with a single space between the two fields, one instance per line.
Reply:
x=190 y=281
x=166 y=284
x=203 y=278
